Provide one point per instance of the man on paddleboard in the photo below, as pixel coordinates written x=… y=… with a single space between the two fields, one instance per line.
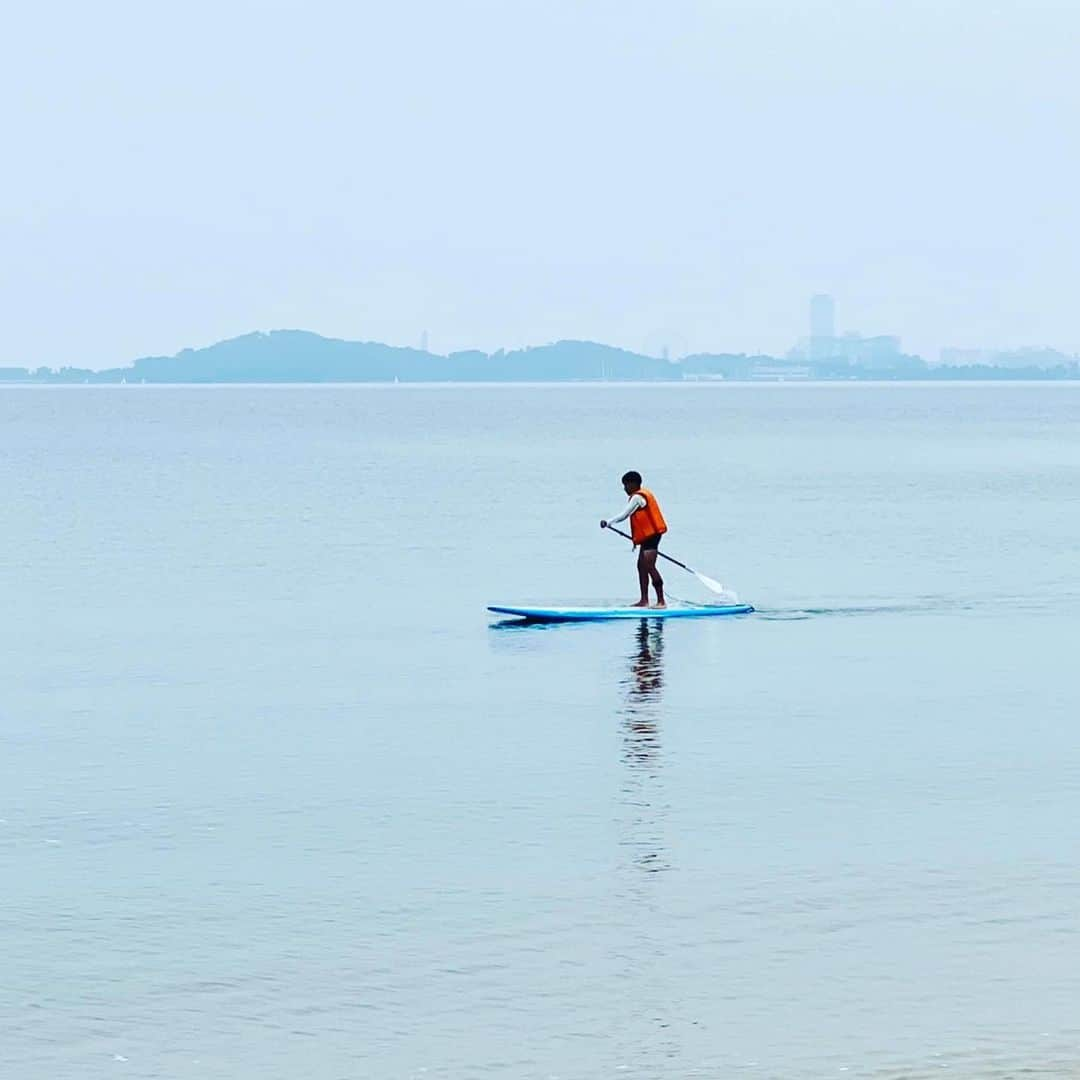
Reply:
x=647 y=525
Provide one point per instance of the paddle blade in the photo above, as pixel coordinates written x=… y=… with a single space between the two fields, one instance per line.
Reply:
x=714 y=586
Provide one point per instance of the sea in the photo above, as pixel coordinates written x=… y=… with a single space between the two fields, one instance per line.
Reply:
x=280 y=799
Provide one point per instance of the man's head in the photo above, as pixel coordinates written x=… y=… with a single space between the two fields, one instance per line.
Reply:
x=631 y=481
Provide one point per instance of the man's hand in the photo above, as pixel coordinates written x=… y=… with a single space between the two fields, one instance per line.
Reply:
x=603 y=524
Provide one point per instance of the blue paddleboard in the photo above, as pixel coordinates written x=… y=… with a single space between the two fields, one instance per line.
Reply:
x=595 y=614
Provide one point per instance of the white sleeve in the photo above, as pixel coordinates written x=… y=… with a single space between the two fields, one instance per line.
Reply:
x=636 y=502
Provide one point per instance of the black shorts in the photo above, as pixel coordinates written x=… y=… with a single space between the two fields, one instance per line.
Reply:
x=650 y=543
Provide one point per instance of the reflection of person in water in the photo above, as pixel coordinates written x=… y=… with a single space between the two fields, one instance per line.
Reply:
x=643 y=785
x=644 y=685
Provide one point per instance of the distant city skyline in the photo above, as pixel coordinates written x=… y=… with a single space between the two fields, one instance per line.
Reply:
x=298 y=356
x=824 y=343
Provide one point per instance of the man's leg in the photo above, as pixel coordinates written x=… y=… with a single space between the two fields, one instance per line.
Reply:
x=649 y=559
x=643 y=576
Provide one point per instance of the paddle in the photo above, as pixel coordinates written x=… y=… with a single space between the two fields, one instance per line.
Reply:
x=708 y=582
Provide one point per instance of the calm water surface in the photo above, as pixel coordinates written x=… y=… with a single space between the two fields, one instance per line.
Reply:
x=277 y=799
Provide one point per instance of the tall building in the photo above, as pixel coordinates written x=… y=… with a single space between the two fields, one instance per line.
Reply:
x=822 y=316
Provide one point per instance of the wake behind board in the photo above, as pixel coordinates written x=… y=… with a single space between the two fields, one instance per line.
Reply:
x=596 y=614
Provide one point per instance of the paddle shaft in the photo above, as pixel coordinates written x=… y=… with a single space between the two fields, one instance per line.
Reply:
x=658 y=552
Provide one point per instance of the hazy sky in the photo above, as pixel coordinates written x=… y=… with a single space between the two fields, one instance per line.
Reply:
x=512 y=172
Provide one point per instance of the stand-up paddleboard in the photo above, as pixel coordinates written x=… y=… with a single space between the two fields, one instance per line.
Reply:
x=596 y=614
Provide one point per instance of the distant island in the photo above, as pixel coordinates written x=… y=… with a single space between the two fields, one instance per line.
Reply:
x=298 y=356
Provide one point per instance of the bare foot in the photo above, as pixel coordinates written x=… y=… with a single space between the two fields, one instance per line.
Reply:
x=641 y=603
x=660 y=603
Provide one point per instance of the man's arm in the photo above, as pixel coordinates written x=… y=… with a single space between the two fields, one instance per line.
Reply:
x=636 y=502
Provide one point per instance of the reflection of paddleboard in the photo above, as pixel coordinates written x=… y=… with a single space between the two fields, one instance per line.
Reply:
x=594 y=614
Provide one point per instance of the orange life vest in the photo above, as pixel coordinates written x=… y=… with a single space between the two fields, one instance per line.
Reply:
x=648 y=521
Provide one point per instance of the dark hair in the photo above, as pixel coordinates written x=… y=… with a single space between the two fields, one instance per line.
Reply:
x=632 y=478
